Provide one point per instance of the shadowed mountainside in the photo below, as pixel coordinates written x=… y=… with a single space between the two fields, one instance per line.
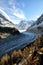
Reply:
x=7 y=27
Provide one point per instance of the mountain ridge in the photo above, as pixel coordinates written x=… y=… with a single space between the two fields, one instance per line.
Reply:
x=38 y=26
x=4 y=22
x=23 y=25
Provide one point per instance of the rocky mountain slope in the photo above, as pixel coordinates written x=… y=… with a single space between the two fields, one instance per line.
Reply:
x=6 y=27
x=38 y=26
x=40 y=19
x=5 y=22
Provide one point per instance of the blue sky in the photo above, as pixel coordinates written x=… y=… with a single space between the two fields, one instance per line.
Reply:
x=16 y=10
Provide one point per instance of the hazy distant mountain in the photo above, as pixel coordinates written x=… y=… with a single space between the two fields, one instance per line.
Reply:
x=38 y=26
x=24 y=24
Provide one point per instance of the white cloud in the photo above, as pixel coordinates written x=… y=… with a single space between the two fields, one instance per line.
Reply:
x=15 y=10
x=19 y=13
x=14 y=13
